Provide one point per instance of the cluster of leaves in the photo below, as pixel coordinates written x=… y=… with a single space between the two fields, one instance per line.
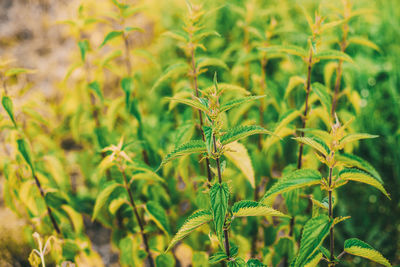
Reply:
x=176 y=149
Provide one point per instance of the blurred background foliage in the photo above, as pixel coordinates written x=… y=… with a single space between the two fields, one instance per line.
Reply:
x=49 y=101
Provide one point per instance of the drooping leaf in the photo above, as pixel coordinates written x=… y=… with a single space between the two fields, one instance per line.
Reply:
x=294 y=81
x=363 y=41
x=219 y=197
x=208 y=135
x=332 y=54
x=231 y=104
x=324 y=136
x=315 y=143
x=355 y=137
x=196 y=220
x=207 y=62
x=241 y=132
x=103 y=197
x=177 y=35
x=8 y=106
x=194 y=146
x=25 y=150
x=194 y=103
x=111 y=35
x=237 y=153
x=315 y=231
x=362 y=177
x=289 y=49
x=217 y=257
x=323 y=94
x=176 y=69
x=158 y=215
x=359 y=248
x=297 y=179
x=350 y=160
x=247 y=208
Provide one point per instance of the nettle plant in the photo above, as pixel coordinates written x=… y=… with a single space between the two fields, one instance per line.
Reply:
x=217 y=142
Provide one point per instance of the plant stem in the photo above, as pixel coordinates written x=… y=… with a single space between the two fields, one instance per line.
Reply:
x=196 y=89
x=138 y=219
x=49 y=211
x=226 y=236
x=308 y=86
x=331 y=238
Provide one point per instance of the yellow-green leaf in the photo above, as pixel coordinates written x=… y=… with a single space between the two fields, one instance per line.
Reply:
x=359 y=248
x=237 y=153
x=247 y=208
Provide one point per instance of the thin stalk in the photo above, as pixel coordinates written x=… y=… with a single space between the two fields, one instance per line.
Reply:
x=331 y=238
x=49 y=211
x=308 y=86
x=226 y=236
x=196 y=89
x=343 y=46
x=138 y=219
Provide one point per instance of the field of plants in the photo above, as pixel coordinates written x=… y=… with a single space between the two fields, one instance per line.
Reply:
x=200 y=133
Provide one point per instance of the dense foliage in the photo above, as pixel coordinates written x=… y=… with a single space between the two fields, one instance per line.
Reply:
x=241 y=133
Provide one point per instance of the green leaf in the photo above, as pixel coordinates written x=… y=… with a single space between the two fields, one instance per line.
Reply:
x=206 y=62
x=297 y=179
x=362 y=41
x=103 y=197
x=110 y=36
x=83 y=47
x=208 y=134
x=196 y=220
x=131 y=29
x=165 y=260
x=314 y=233
x=194 y=146
x=199 y=35
x=127 y=86
x=25 y=150
x=176 y=69
x=247 y=208
x=355 y=137
x=219 y=197
x=333 y=54
x=359 y=248
x=95 y=86
x=233 y=103
x=126 y=251
x=217 y=257
x=8 y=106
x=255 y=263
x=350 y=160
x=315 y=143
x=241 y=132
x=177 y=35
x=362 y=177
x=190 y=102
x=237 y=262
x=323 y=94
x=158 y=215
x=16 y=71
x=289 y=49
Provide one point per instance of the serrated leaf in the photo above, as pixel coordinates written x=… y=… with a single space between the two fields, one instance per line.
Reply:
x=362 y=177
x=228 y=87
x=355 y=246
x=247 y=208
x=217 y=257
x=237 y=153
x=289 y=49
x=208 y=135
x=194 y=146
x=297 y=179
x=314 y=259
x=219 y=197
x=233 y=103
x=315 y=143
x=111 y=35
x=83 y=48
x=363 y=41
x=294 y=81
x=158 y=215
x=241 y=132
x=350 y=160
x=25 y=150
x=176 y=69
x=196 y=220
x=323 y=94
x=206 y=62
x=333 y=54
x=355 y=137
x=103 y=197
x=315 y=231
x=8 y=106
x=324 y=136
x=190 y=102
